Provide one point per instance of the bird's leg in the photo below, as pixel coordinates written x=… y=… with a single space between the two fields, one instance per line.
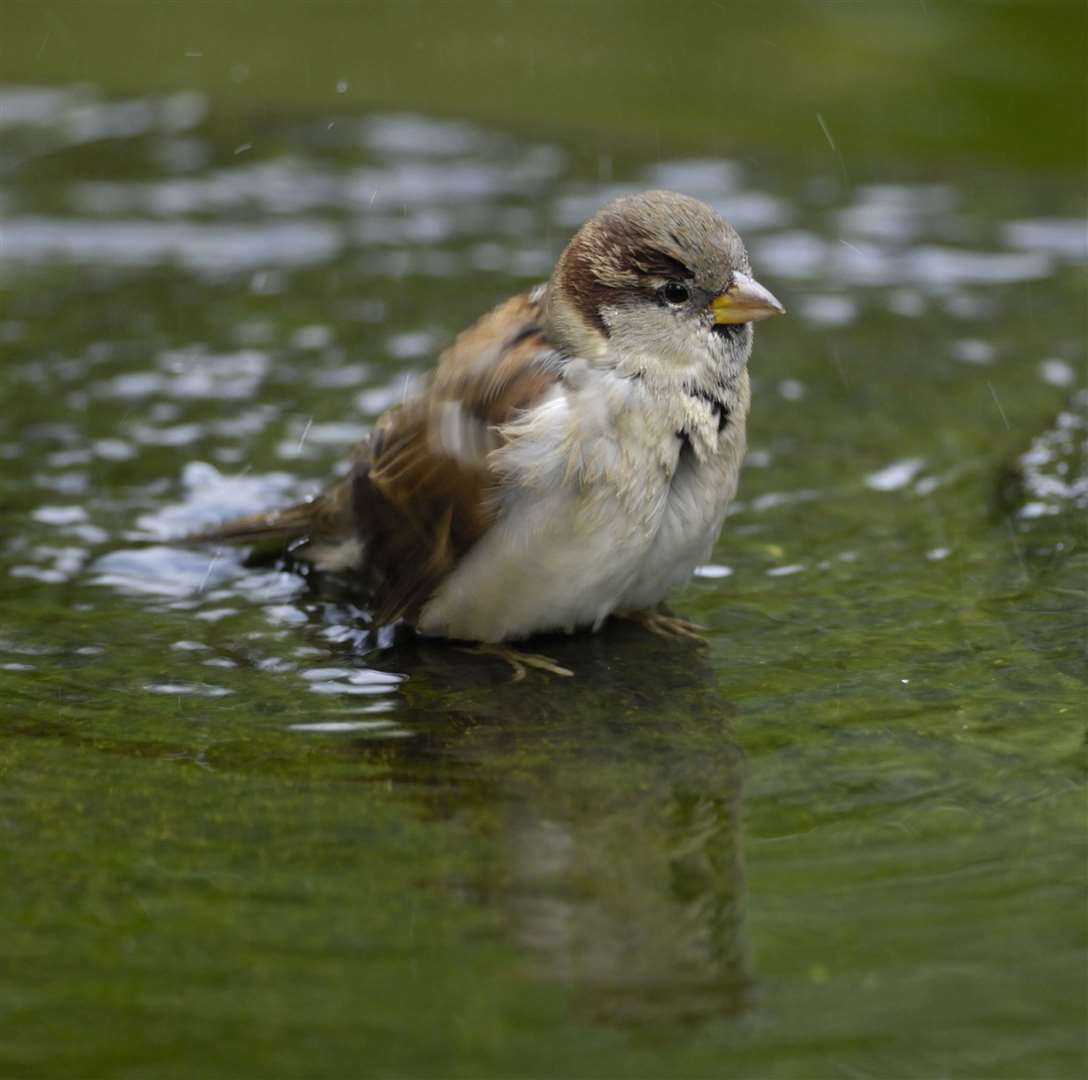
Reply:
x=667 y=626
x=519 y=661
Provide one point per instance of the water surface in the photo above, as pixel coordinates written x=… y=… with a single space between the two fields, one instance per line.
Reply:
x=244 y=834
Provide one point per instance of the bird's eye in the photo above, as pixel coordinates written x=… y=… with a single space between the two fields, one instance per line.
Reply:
x=675 y=292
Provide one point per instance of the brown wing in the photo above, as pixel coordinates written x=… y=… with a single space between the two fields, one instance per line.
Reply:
x=422 y=491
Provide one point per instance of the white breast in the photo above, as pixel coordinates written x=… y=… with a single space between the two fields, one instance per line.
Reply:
x=699 y=493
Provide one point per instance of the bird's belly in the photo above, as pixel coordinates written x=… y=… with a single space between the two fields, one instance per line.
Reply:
x=687 y=531
x=552 y=564
x=568 y=558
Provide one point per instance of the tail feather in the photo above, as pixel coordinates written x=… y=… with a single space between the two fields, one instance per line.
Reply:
x=326 y=517
x=286 y=524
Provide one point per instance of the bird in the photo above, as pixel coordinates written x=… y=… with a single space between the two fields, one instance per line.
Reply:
x=572 y=455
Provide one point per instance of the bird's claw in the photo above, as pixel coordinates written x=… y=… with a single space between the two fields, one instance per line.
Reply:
x=519 y=661
x=666 y=626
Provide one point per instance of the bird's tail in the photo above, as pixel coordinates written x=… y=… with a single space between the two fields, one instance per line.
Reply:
x=285 y=524
x=328 y=516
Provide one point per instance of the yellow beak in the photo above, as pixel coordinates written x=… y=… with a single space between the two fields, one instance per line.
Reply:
x=745 y=300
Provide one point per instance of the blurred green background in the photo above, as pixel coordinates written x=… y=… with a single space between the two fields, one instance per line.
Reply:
x=967 y=82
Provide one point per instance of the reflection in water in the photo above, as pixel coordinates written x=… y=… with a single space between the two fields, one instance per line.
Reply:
x=616 y=796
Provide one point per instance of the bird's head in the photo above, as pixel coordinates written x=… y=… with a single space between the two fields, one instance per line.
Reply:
x=659 y=276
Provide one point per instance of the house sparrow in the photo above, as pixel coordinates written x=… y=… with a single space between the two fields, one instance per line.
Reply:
x=572 y=456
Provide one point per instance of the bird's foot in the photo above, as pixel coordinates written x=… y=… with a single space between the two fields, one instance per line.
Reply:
x=666 y=626
x=519 y=661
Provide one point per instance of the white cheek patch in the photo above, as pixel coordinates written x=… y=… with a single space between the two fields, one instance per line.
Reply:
x=649 y=336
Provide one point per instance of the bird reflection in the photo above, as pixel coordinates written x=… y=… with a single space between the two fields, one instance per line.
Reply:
x=609 y=806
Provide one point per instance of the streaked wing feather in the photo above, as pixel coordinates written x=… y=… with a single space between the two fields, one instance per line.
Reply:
x=424 y=494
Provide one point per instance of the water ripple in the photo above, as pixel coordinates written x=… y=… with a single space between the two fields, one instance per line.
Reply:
x=205 y=249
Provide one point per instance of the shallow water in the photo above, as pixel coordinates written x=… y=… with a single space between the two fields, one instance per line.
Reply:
x=246 y=834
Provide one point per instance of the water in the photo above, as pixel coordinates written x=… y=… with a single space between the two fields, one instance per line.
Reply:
x=245 y=834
